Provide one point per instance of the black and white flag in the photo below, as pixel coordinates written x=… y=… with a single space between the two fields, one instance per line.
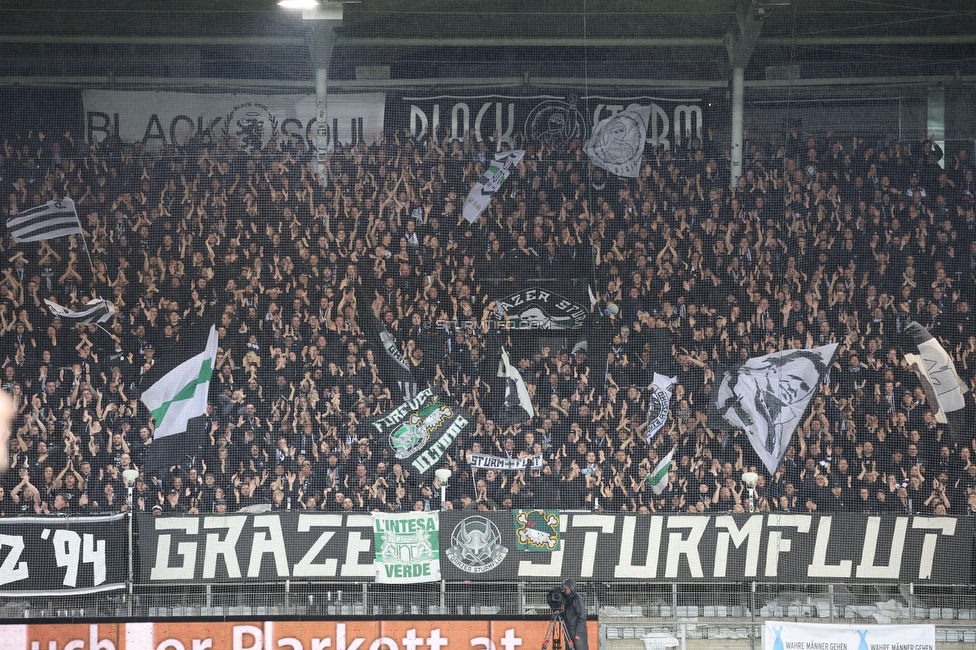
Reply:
x=402 y=372
x=518 y=403
x=49 y=221
x=768 y=395
x=617 y=142
x=96 y=311
x=659 y=404
x=491 y=181
x=936 y=372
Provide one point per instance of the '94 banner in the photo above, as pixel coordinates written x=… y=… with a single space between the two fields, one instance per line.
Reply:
x=41 y=556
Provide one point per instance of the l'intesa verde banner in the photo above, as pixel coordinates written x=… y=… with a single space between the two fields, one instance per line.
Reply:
x=407 y=547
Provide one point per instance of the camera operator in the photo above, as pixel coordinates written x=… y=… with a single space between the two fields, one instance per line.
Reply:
x=574 y=614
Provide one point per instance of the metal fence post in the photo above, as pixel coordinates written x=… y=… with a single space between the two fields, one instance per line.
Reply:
x=752 y=613
x=911 y=602
x=830 y=590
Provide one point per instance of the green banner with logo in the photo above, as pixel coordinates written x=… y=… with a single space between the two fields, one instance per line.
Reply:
x=407 y=547
x=537 y=530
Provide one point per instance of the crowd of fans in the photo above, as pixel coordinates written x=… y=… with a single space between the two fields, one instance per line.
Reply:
x=822 y=239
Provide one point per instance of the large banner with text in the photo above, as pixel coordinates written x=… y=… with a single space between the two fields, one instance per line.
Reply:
x=172 y=118
x=550 y=120
x=487 y=546
x=59 y=556
x=295 y=635
x=784 y=635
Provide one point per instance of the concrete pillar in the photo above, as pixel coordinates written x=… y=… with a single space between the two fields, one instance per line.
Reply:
x=738 y=93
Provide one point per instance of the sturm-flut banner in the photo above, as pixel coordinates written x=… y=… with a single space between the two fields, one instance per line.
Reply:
x=797 y=548
x=61 y=556
x=161 y=118
x=555 y=120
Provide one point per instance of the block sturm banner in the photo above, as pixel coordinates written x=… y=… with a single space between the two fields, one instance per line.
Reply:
x=796 y=548
x=518 y=121
x=62 y=556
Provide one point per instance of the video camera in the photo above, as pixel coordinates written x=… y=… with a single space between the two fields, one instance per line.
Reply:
x=556 y=599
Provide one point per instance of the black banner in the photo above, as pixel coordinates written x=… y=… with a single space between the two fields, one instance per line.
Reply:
x=552 y=119
x=62 y=556
x=790 y=548
x=256 y=548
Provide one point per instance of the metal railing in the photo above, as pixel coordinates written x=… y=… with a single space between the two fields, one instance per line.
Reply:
x=628 y=605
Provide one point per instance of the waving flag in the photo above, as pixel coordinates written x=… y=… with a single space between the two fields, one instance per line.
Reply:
x=49 y=221
x=491 y=181
x=518 y=403
x=96 y=311
x=617 y=142
x=659 y=404
x=181 y=394
x=768 y=395
x=937 y=373
x=401 y=371
x=658 y=479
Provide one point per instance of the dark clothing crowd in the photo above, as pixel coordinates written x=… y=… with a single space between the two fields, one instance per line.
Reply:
x=821 y=240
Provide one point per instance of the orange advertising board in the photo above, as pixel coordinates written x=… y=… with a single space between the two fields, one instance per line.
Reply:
x=290 y=635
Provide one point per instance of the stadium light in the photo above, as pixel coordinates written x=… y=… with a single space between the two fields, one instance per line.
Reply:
x=298 y=4
x=750 y=479
x=129 y=477
x=443 y=475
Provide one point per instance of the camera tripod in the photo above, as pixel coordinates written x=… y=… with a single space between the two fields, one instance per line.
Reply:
x=557 y=634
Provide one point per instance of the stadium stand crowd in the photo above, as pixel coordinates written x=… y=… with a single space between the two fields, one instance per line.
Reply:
x=822 y=240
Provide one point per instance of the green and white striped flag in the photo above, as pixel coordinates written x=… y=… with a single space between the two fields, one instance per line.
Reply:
x=181 y=394
x=658 y=479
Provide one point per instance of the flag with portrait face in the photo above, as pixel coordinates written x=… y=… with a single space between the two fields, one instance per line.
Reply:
x=617 y=142
x=767 y=397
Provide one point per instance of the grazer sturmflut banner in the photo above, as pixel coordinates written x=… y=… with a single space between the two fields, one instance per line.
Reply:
x=797 y=548
x=551 y=119
x=62 y=556
x=161 y=118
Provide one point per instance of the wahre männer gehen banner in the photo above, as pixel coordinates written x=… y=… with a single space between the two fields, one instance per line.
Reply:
x=798 y=548
x=784 y=635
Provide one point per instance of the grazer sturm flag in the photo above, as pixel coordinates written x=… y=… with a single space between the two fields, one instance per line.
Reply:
x=48 y=221
x=617 y=142
x=407 y=547
x=181 y=394
x=658 y=479
x=659 y=404
x=95 y=312
x=491 y=181
x=936 y=371
x=768 y=395
x=537 y=530
x=515 y=389
x=421 y=430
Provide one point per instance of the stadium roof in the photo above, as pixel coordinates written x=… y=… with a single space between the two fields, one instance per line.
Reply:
x=255 y=43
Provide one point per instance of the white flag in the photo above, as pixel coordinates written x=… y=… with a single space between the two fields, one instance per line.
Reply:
x=96 y=311
x=659 y=404
x=181 y=394
x=49 y=221
x=617 y=142
x=935 y=367
x=510 y=372
x=491 y=181
x=768 y=395
x=658 y=479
